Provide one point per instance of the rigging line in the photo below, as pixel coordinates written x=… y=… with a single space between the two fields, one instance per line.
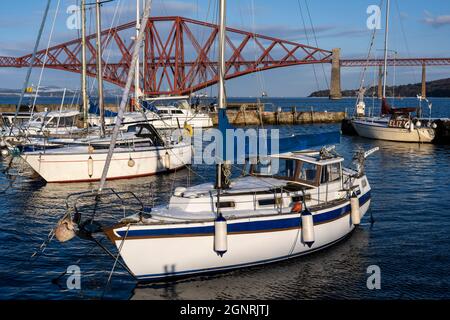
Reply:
x=259 y=76
x=214 y=20
x=30 y=67
x=113 y=23
x=46 y=56
x=125 y=95
x=201 y=41
x=369 y=53
x=307 y=42
x=402 y=27
x=45 y=60
x=317 y=44
x=115 y=261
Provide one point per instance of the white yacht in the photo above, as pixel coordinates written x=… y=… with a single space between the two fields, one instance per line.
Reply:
x=393 y=124
x=168 y=113
x=50 y=123
x=311 y=203
x=145 y=153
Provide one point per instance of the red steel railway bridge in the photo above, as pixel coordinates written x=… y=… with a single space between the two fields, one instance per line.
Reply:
x=179 y=56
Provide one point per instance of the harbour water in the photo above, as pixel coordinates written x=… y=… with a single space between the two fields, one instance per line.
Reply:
x=408 y=241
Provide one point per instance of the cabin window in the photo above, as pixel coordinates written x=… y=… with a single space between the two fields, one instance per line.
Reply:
x=51 y=121
x=331 y=172
x=226 y=204
x=282 y=168
x=269 y=201
x=308 y=172
x=286 y=168
x=300 y=198
x=177 y=112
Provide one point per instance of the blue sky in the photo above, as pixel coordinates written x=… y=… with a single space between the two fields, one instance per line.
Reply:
x=418 y=28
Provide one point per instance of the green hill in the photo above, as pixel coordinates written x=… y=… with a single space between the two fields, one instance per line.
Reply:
x=436 y=88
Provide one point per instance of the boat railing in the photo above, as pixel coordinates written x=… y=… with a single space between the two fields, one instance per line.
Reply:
x=103 y=207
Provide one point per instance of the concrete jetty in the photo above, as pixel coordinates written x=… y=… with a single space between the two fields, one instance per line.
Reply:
x=239 y=114
x=251 y=115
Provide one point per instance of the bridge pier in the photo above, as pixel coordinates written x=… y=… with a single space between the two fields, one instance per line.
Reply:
x=380 y=82
x=335 y=85
x=424 y=81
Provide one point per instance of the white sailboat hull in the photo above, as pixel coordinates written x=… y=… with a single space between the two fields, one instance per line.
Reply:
x=383 y=132
x=173 y=123
x=168 y=122
x=76 y=167
x=153 y=252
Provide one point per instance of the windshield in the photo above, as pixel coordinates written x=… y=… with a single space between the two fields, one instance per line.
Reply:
x=275 y=167
x=308 y=172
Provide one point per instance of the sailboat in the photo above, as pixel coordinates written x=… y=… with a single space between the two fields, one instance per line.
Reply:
x=266 y=215
x=394 y=124
x=143 y=153
x=171 y=112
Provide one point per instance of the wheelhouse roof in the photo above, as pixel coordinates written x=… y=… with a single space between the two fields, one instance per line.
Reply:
x=310 y=156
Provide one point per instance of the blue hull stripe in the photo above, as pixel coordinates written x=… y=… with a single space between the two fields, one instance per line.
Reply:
x=253 y=226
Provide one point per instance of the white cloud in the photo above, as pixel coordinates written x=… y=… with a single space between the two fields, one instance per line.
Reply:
x=436 y=21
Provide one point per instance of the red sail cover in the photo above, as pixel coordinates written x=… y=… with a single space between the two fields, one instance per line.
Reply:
x=386 y=108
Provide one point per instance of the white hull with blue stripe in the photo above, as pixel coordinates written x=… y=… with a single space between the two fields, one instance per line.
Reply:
x=178 y=240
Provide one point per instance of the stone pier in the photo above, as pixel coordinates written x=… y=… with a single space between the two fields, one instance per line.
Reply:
x=424 y=81
x=335 y=86
x=380 y=82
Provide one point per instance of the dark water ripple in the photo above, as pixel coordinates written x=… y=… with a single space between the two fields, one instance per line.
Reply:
x=409 y=240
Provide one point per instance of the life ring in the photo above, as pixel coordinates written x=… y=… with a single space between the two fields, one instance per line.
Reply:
x=407 y=125
x=297 y=207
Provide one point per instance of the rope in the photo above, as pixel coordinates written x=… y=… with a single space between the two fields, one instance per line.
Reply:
x=307 y=42
x=45 y=60
x=317 y=44
x=115 y=261
x=369 y=53
x=30 y=67
x=113 y=23
x=126 y=92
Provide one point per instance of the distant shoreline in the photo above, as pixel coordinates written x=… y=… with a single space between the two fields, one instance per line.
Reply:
x=436 y=89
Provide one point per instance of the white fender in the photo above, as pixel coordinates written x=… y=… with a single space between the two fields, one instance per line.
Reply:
x=220 y=235
x=307 y=228
x=167 y=160
x=90 y=166
x=355 y=212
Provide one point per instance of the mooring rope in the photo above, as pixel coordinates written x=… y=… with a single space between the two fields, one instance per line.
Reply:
x=116 y=260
